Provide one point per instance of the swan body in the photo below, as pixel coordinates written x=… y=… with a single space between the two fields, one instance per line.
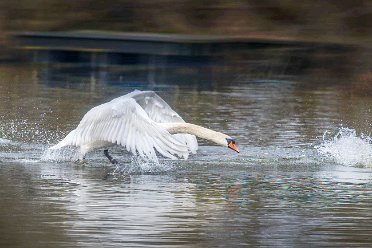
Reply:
x=142 y=122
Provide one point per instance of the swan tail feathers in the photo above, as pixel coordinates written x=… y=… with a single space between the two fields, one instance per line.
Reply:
x=68 y=140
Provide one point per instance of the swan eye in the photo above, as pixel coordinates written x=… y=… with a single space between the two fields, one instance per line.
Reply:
x=230 y=141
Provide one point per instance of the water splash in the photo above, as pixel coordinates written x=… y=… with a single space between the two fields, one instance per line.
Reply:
x=27 y=131
x=128 y=164
x=348 y=148
x=59 y=155
x=138 y=165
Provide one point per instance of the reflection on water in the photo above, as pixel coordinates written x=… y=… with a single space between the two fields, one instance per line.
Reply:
x=193 y=205
x=279 y=191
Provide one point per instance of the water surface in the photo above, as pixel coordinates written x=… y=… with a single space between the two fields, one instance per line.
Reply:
x=292 y=185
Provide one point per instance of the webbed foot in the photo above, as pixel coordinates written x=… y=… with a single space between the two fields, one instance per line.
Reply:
x=80 y=161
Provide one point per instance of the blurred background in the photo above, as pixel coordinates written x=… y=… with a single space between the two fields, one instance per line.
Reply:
x=338 y=21
x=344 y=23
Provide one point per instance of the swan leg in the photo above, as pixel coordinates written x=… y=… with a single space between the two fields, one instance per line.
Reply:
x=113 y=161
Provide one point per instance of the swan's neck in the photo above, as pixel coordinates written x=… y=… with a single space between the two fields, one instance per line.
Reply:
x=201 y=132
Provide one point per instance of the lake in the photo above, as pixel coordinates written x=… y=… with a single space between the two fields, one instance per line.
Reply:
x=303 y=177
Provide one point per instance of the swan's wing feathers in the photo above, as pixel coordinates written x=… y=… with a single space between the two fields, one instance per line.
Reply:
x=138 y=133
x=125 y=123
x=189 y=140
x=156 y=108
x=159 y=111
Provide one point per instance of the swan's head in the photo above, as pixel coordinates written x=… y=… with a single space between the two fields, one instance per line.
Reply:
x=231 y=144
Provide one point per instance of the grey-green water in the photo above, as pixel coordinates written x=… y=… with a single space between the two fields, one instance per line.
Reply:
x=286 y=188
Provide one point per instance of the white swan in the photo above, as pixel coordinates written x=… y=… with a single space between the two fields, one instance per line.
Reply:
x=142 y=122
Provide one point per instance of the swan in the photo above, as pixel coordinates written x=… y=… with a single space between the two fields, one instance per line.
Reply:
x=142 y=122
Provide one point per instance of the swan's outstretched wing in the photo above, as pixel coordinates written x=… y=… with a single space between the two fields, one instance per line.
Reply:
x=159 y=111
x=124 y=122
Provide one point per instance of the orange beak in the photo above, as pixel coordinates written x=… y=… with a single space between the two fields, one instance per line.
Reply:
x=233 y=146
